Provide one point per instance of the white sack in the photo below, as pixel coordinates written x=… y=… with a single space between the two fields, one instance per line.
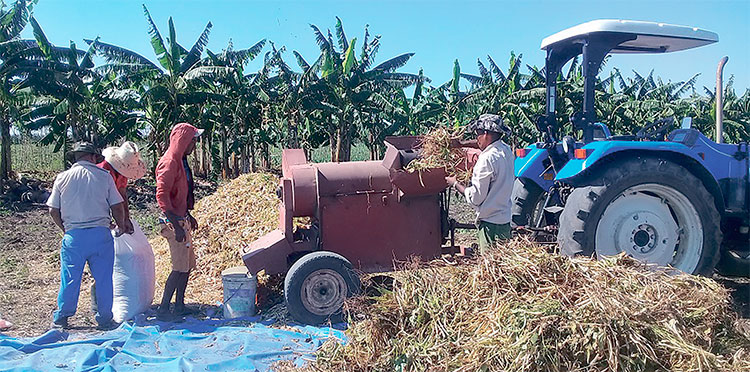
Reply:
x=133 y=278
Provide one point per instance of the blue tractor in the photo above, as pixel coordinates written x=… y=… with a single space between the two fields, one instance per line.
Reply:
x=664 y=196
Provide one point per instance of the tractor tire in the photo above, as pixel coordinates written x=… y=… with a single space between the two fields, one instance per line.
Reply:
x=734 y=263
x=650 y=208
x=317 y=285
x=527 y=197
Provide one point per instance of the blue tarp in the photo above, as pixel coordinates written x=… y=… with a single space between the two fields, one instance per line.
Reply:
x=193 y=345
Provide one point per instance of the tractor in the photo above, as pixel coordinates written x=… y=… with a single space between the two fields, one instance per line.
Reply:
x=664 y=195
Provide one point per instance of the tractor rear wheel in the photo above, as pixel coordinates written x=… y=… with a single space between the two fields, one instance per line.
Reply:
x=650 y=208
x=528 y=201
x=317 y=285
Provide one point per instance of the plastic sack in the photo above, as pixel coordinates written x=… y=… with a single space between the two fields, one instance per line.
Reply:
x=133 y=277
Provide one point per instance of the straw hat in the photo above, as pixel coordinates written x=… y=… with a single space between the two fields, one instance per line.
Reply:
x=126 y=160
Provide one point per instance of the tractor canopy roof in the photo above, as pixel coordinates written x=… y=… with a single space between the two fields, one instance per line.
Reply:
x=644 y=37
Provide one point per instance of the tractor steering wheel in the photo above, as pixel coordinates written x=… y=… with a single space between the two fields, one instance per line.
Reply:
x=656 y=130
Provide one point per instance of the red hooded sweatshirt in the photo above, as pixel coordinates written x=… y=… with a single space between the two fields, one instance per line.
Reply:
x=171 y=178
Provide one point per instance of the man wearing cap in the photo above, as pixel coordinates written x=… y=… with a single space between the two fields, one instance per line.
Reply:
x=80 y=204
x=174 y=194
x=491 y=181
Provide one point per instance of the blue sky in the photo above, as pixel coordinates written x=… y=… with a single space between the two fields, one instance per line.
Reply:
x=437 y=31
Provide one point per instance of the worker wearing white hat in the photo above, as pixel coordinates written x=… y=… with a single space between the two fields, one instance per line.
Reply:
x=124 y=163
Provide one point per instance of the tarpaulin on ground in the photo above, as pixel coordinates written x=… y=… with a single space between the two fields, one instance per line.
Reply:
x=194 y=345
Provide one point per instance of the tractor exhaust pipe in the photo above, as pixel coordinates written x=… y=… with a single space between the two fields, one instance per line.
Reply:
x=720 y=100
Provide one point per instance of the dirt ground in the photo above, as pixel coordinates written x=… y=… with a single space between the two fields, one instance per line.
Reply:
x=30 y=263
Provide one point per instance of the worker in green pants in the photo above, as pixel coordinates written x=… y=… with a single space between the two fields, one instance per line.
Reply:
x=491 y=181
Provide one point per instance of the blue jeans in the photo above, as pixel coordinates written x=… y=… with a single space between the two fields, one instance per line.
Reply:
x=95 y=246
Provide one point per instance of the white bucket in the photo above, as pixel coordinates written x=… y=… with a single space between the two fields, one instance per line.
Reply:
x=239 y=292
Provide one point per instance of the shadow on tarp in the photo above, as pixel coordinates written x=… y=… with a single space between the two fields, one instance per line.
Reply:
x=192 y=345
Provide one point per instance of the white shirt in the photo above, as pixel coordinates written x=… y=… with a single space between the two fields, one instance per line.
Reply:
x=84 y=193
x=492 y=184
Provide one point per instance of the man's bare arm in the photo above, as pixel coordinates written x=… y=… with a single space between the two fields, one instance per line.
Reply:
x=118 y=212
x=451 y=181
x=57 y=217
x=178 y=230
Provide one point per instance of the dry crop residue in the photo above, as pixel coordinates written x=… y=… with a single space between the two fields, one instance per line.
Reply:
x=436 y=152
x=240 y=212
x=520 y=308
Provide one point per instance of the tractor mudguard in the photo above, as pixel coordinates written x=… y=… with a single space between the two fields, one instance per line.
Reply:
x=531 y=166
x=599 y=150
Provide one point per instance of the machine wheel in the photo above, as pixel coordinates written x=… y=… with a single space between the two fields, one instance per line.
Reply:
x=652 y=209
x=317 y=285
x=734 y=263
x=528 y=200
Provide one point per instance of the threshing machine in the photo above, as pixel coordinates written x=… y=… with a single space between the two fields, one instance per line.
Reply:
x=669 y=197
x=363 y=216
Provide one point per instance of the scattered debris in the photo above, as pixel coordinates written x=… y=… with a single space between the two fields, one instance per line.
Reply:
x=235 y=215
x=24 y=190
x=520 y=308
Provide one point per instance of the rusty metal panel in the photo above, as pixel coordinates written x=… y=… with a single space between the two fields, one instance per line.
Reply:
x=290 y=158
x=403 y=142
x=269 y=253
x=304 y=189
x=352 y=178
x=371 y=212
x=373 y=230
x=286 y=223
x=392 y=159
x=471 y=157
x=426 y=182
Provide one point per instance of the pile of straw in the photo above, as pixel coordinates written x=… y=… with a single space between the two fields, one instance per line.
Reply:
x=521 y=309
x=238 y=213
x=436 y=152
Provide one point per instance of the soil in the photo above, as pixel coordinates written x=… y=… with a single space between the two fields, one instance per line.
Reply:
x=30 y=263
x=30 y=272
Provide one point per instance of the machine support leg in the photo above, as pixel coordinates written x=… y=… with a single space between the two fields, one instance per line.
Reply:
x=546 y=204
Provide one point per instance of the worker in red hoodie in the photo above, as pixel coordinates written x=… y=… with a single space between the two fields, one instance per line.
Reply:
x=174 y=194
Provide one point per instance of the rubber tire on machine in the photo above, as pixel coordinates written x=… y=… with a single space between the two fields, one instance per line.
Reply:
x=314 y=265
x=586 y=205
x=525 y=198
x=734 y=264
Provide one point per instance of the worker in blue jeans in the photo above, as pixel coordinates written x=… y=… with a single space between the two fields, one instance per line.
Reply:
x=80 y=203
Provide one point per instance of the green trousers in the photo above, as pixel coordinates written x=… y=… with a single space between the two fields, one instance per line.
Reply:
x=490 y=234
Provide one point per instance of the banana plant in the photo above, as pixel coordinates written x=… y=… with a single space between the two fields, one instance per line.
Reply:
x=354 y=87
x=65 y=77
x=13 y=20
x=223 y=75
x=166 y=88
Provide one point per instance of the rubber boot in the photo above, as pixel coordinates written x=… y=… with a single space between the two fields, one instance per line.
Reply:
x=179 y=302
x=169 y=289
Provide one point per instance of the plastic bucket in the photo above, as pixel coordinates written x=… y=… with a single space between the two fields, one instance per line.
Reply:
x=239 y=292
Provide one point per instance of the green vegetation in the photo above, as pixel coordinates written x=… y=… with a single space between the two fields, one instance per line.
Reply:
x=331 y=105
x=36 y=158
